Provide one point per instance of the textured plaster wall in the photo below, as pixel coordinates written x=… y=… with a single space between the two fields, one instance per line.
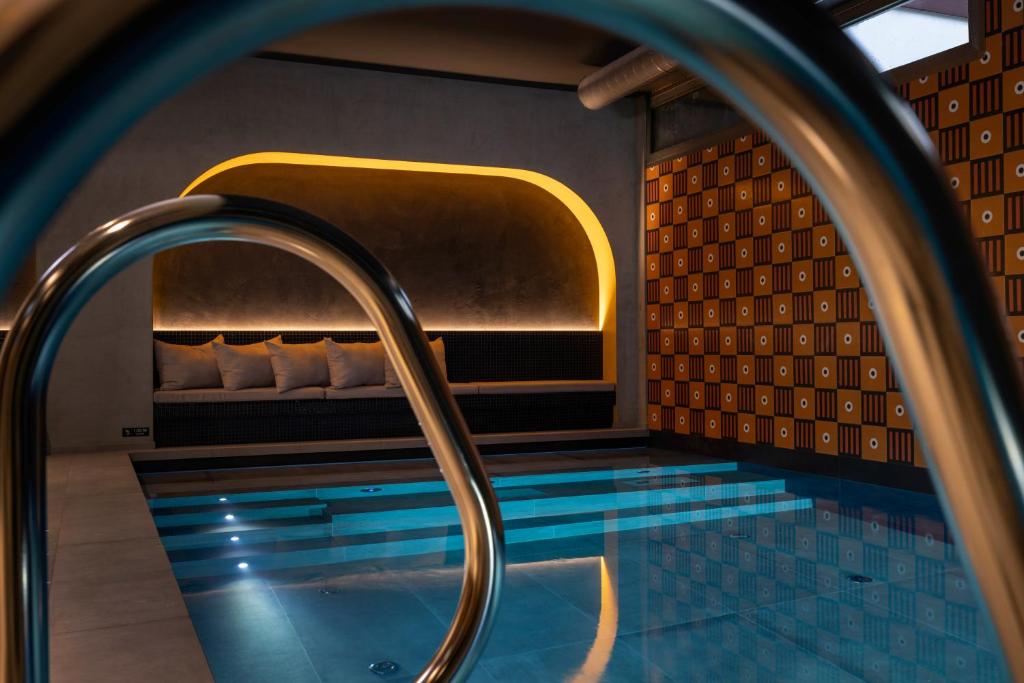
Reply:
x=103 y=376
x=472 y=252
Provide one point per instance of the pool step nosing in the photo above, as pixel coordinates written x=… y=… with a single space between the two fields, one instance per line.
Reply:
x=439 y=486
x=446 y=543
x=447 y=516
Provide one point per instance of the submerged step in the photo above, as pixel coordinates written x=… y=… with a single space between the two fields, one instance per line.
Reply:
x=410 y=519
x=239 y=517
x=437 y=486
x=423 y=546
x=425 y=518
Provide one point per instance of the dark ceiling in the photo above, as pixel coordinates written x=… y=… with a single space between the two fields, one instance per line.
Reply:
x=505 y=44
x=489 y=43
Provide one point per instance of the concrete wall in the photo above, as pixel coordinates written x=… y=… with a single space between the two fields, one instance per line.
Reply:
x=103 y=376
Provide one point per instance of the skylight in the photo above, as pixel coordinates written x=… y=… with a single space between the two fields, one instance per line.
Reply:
x=907 y=33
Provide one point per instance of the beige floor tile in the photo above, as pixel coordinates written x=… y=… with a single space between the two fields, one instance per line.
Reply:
x=116 y=612
x=57 y=479
x=155 y=652
x=83 y=606
x=95 y=519
x=54 y=512
x=133 y=560
x=98 y=459
x=101 y=474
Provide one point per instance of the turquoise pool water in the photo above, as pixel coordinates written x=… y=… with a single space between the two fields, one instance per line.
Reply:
x=691 y=572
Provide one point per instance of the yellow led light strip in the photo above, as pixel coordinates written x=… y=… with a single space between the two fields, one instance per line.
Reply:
x=584 y=215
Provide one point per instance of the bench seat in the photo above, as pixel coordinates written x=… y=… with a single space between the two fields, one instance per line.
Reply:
x=221 y=395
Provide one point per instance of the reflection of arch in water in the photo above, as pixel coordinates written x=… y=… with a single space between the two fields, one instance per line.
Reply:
x=600 y=652
x=237 y=174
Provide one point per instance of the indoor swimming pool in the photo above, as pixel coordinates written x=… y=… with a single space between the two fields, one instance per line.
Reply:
x=708 y=571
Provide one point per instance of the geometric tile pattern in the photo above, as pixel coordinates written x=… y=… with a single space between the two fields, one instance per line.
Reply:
x=757 y=327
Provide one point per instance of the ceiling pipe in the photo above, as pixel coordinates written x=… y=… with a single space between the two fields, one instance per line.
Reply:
x=625 y=75
x=643 y=66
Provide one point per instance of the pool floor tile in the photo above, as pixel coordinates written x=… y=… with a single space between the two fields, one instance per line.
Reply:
x=579 y=582
x=362 y=619
x=248 y=637
x=730 y=648
x=596 y=662
x=530 y=616
x=858 y=634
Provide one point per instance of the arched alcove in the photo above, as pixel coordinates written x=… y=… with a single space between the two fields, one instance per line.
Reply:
x=476 y=248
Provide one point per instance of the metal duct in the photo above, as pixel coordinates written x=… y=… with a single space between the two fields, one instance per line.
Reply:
x=625 y=75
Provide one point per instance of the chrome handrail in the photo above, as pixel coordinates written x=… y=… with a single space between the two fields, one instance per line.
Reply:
x=786 y=66
x=27 y=356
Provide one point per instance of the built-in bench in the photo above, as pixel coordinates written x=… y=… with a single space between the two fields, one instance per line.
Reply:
x=221 y=395
x=502 y=381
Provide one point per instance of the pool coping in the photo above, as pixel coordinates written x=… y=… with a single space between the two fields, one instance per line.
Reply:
x=389 y=444
x=116 y=611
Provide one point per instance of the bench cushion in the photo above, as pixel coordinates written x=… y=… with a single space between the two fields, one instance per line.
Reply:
x=187 y=366
x=220 y=395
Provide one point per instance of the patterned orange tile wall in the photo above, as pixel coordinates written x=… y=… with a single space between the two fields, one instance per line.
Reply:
x=757 y=327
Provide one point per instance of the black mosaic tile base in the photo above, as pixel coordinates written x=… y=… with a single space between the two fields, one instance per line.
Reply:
x=215 y=424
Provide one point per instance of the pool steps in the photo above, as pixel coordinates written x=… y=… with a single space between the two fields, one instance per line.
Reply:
x=407 y=519
x=335 y=555
x=437 y=486
x=270 y=531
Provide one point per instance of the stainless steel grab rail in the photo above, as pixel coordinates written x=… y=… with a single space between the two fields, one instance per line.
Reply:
x=786 y=66
x=27 y=359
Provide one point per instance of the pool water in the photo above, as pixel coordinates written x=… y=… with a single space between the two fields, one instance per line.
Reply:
x=710 y=571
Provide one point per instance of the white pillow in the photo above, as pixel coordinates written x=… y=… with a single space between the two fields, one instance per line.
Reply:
x=244 y=365
x=391 y=377
x=185 y=366
x=298 y=365
x=352 y=365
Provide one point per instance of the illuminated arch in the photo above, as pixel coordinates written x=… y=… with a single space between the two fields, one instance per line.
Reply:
x=583 y=214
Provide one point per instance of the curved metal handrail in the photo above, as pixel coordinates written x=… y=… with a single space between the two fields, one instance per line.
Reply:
x=786 y=66
x=27 y=359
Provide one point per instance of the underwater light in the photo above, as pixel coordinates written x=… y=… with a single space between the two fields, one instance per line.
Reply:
x=229 y=517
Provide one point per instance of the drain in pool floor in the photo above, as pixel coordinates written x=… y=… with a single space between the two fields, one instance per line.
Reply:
x=384 y=667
